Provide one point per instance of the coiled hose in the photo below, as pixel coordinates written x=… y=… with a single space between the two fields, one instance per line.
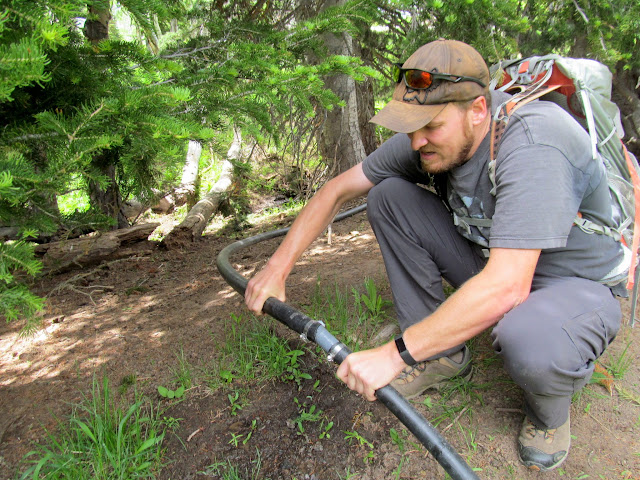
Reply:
x=315 y=331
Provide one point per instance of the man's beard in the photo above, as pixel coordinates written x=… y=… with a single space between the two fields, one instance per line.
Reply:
x=460 y=159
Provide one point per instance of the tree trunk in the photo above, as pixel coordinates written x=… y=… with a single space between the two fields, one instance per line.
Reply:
x=108 y=201
x=196 y=220
x=625 y=95
x=96 y=27
x=80 y=252
x=347 y=137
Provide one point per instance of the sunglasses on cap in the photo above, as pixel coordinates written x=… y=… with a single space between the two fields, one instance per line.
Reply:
x=420 y=79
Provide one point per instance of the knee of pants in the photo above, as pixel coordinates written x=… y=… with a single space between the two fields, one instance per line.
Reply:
x=386 y=193
x=396 y=196
x=538 y=363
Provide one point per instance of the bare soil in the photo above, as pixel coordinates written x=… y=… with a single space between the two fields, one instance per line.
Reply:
x=129 y=319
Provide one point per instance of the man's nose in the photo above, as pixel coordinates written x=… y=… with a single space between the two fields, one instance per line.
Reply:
x=418 y=140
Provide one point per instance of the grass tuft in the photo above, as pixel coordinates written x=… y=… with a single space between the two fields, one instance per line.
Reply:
x=103 y=440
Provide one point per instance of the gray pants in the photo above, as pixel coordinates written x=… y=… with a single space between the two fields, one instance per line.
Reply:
x=548 y=344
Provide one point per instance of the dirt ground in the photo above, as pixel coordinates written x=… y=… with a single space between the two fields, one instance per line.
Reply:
x=132 y=317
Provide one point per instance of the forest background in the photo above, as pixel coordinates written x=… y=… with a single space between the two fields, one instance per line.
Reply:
x=106 y=107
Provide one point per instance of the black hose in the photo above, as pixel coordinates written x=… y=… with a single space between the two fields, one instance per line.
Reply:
x=315 y=331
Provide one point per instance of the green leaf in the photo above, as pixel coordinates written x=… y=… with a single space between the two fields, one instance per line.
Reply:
x=87 y=431
x=163 y=391
x=148 y=443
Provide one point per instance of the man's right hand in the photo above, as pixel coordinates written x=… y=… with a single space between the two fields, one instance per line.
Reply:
x=266 y=283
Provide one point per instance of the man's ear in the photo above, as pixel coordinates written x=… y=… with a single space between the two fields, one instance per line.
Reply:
x=478 y=111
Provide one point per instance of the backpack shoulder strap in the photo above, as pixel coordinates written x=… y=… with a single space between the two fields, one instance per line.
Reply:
x=503 y=115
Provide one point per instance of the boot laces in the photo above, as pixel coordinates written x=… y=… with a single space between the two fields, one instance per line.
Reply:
x=532 y=431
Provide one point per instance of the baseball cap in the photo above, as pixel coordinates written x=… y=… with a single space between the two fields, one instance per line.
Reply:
x=411 y=109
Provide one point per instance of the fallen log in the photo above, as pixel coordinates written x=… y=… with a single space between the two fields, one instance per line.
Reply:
x=68 y=254
x=196 y=220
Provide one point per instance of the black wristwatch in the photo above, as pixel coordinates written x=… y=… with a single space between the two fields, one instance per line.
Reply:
x=404 y=353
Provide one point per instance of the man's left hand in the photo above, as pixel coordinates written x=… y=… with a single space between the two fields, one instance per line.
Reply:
x=367 y=371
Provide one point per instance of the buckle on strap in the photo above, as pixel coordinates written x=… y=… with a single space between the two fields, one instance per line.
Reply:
x=589 y=227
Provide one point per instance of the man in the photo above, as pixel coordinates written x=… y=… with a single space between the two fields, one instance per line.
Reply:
x=517 y=260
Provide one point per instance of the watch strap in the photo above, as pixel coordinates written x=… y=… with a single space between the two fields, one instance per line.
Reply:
x=404 y=353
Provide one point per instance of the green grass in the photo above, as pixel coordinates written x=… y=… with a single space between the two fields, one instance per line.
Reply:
x=226 y=471
x=352 y=315
x=183 y=372
x=103 y=440
x=253 y=351
x=108 y=438
x=619 y=364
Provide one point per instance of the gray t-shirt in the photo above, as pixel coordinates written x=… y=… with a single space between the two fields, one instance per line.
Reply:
x=544 y=175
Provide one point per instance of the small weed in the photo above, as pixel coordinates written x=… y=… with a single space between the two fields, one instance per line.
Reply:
x=292 y=368
x=171 y=394
x=628 y=395
x=254 y=424
x=237 y=403
x=235 y=439
x=351 y=435
x=348 y=474
x=183 y=372
x=470 y=437
x=375 y=303
x=310 y=415
x=226 y=376
x=171 y=423
x=213 y=469
x=397 y=439
x=324 y=429
x=398 y=470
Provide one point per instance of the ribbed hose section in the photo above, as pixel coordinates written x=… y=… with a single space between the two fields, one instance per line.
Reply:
x=337 y=351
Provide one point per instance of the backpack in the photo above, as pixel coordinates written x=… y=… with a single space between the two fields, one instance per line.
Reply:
x=583 y=88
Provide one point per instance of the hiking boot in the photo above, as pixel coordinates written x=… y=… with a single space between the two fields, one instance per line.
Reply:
x=543 y=449
x=415 y=379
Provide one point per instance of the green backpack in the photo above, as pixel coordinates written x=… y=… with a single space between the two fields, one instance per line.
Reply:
x=583 y=88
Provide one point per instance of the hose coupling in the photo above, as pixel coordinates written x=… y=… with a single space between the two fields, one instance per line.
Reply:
x=334 y=350
x=305 y=331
